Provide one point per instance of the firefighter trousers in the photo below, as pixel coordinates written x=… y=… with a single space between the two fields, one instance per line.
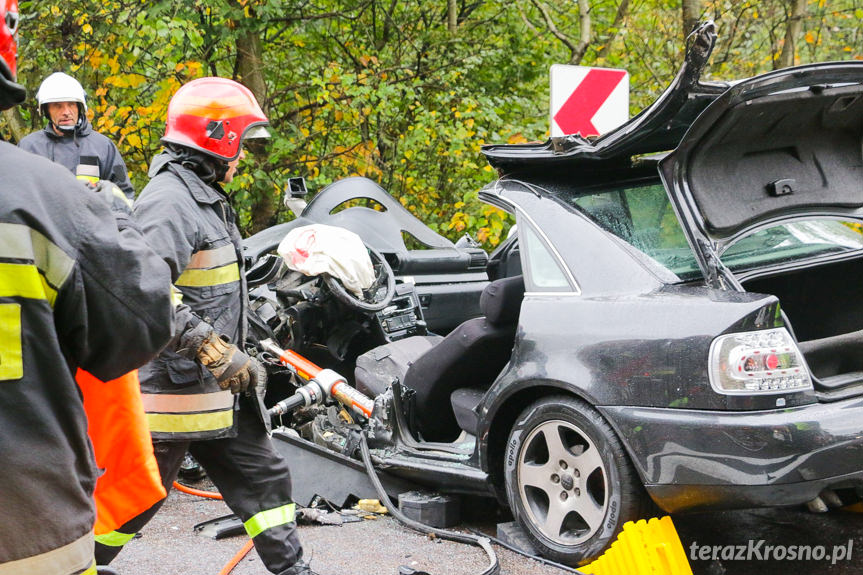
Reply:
x=253 y=479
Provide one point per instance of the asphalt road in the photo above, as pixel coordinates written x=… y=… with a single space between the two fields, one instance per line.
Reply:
x=770 y=538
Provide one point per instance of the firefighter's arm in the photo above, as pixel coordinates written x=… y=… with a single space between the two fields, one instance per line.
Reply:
x=114 y=310
x=172 y=230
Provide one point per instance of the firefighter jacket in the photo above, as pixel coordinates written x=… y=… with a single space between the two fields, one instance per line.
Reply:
x=193 y=228
x=78 y=287
x=82 y=153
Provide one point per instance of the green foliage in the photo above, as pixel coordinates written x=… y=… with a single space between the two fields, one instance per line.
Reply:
x=381 y=88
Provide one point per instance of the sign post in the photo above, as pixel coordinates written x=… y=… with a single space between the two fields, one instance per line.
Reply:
x=588 y=101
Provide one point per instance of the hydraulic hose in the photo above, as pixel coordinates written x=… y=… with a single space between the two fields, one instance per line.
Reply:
x=483 y=542
x=192 y=491
x=536 y=558
x=229 y=566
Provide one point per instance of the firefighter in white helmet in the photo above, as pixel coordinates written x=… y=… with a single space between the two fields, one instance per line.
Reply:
x=69 y=139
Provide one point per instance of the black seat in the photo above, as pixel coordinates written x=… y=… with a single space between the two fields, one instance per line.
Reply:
x=472 y=355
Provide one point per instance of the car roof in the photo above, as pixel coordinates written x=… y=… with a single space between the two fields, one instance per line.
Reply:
x=657 y=128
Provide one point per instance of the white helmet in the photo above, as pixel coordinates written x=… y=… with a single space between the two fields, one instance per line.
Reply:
x=60 y=87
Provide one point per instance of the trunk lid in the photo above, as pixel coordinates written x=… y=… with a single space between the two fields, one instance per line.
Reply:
x=781 y=146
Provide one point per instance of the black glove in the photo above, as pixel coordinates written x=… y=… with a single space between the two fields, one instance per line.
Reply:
x=232 y=368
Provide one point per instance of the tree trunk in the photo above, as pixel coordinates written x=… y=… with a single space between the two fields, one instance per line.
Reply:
x=584 y=31
x=249 y=70
x=15 y=124
x=249 y=67
x=576 y=50
x=792 y=33
x=452 y=16
x=691 y=15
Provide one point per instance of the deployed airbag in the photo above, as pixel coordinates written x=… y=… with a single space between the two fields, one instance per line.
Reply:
x=318 y=249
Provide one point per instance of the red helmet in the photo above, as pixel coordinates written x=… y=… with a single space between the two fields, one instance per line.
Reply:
x=11 y=94
x=9 y=38
x=214 y=116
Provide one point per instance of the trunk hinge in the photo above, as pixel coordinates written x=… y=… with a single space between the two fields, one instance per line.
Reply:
x=718 y=276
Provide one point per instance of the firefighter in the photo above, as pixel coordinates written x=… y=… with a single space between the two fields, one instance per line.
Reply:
x=69 y=139
x=79 y=287
x=200 y=393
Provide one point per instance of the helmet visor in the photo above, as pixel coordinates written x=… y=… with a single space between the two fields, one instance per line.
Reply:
x=256 y=132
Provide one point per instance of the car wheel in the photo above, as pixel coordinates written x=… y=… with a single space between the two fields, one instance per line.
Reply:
x=569 y=482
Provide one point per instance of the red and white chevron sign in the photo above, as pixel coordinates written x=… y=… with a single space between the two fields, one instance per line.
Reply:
x=588 y=101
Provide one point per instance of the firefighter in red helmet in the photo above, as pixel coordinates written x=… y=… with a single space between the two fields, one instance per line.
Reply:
x=200 y=393
x=71 y=274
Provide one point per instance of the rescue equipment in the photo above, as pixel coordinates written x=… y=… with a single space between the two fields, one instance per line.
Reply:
x=322 y=383
x=643 y=548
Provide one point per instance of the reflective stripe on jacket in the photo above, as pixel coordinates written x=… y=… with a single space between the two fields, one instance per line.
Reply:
x=192 y=226
x=73 y=558
x=85 y=147
x=76 y=289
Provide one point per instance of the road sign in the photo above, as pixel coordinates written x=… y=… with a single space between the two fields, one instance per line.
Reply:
x=588 y=101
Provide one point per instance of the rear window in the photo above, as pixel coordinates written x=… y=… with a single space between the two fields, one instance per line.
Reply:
x=793 y=241
x=642 y=216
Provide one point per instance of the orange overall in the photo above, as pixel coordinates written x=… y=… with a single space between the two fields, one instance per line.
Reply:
x=121 y=440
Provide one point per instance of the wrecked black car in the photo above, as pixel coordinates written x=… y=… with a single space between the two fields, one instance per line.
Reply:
x=675 y=329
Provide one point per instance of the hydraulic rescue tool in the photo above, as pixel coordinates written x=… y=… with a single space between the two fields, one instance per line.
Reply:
x=322 y=383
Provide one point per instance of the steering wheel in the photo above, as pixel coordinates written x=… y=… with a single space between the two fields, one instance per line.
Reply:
x=375 y=298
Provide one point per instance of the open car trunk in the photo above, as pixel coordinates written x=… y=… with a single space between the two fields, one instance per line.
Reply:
x=824 y=307
x=783 y=147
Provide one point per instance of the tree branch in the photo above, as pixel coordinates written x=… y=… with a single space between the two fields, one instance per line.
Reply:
x=619 y=17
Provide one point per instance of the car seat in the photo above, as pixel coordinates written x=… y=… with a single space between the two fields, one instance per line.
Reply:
x=471 y=356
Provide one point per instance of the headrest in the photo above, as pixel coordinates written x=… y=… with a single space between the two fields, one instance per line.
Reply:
x=500 y=301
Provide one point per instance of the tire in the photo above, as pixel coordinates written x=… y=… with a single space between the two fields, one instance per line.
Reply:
x=570 y=506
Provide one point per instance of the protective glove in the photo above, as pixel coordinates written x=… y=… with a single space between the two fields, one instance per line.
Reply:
x=232 y=368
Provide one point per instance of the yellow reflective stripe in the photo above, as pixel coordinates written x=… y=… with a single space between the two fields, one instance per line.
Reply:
x=268 y=519
x=92 y=570
x=118 y=193
x=114 y=539
x=205 y=259
x=176 y=296
x=76 y=557
x=217 y=276
x=190 y=422
x=18 y=241
x=11 y=358
x=24 y=280
x=189 y=403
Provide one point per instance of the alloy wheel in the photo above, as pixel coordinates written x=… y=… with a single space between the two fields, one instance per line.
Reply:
x=562 y=482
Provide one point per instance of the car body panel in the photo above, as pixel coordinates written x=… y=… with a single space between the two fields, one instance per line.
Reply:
x=794 y=450
x=600 y=265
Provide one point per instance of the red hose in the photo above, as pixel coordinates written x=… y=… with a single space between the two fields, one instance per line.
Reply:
x=198 y=492
x=229 y=566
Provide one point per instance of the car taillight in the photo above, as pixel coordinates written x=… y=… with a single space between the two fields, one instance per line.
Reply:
x=766 y=361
